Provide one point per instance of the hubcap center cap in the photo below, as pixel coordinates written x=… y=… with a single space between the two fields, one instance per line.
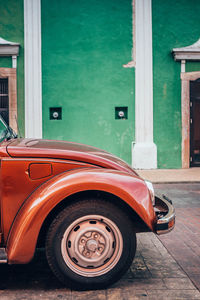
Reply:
x=92 y=245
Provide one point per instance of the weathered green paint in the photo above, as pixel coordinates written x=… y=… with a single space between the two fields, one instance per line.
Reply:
x=12 y=29
x=192 y=66
x=5 y=62
x=175 y=24
x=84 y=45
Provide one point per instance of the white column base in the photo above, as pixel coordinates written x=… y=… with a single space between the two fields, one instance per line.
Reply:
x=144 y=156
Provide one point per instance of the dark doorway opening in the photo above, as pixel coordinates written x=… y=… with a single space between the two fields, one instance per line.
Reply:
x=4 y=99
x=195 y=123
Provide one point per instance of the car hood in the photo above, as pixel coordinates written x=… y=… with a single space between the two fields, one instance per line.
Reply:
x=39 y=148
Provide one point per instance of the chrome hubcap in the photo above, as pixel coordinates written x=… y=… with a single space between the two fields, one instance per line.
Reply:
x=92 y=245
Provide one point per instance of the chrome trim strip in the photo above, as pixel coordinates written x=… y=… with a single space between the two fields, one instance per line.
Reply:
x=151 y=191
x=3 y=256
x=159 y=232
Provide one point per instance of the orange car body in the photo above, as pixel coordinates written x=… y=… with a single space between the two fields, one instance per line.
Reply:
x=38 y=175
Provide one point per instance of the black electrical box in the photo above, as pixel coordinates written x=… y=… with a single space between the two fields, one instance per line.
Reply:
x=55 y=113
x=121 y=112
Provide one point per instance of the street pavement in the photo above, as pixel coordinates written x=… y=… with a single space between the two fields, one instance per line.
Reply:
x=183 y=243
x=165 y=267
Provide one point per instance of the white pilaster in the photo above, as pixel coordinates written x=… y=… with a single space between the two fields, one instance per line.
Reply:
x=183 y=65
x=14 y=61
x=32 y=53
x=144 y=152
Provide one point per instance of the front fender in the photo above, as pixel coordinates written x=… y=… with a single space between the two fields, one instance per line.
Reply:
x=27 y=224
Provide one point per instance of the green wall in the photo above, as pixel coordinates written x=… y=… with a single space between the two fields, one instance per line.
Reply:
x=12 y=29
x=84 y=45
x=175 y=24
x=192 y=66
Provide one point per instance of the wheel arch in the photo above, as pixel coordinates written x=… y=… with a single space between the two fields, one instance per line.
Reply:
x=138 y=224
x=52 y=195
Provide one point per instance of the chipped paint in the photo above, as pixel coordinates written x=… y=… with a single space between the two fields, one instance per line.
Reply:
x=132 y=63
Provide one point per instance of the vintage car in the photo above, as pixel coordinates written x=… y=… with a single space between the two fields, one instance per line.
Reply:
x=82 y=204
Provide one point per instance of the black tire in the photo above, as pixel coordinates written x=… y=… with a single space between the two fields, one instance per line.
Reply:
x=90 y=244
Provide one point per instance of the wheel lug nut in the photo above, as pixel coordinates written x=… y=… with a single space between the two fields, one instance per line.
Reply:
x=96 y=236
x=83 y=241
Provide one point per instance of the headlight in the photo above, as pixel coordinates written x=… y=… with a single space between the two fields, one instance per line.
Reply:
x=151 y=190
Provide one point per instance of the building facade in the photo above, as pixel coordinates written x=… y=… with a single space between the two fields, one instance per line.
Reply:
x=119 y=75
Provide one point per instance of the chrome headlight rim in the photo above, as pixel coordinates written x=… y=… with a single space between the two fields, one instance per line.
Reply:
x=151 y=191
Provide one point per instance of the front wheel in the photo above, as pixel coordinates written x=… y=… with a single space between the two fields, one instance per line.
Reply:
x=90 y=244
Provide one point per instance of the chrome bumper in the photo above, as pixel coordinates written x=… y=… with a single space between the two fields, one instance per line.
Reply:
x=165 y=214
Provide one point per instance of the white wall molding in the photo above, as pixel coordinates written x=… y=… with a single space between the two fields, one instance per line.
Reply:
x=8 y=48
x=191 y=52
x=32 y=53
x=144 y=152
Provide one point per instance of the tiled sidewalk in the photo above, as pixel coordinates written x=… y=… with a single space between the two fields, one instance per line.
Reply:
x=171 y=175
